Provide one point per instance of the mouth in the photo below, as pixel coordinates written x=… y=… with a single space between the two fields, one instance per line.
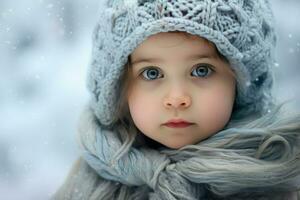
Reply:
x=178 y=123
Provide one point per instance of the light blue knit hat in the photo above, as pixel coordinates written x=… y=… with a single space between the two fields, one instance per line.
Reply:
x=242 y=30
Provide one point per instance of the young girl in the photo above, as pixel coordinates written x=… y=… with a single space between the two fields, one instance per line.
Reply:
x=182 y=108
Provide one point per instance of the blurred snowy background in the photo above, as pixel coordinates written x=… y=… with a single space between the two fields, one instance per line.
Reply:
x=45 y=48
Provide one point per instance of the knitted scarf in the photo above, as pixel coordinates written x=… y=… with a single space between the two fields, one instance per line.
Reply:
x=255 y=160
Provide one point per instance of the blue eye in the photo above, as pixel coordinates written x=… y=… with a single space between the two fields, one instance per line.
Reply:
x=202 y=70
x=150 y=73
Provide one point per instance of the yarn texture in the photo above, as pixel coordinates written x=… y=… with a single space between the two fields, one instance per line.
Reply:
x=255 y=157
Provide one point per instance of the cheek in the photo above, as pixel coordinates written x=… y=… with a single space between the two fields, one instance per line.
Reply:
x=219 y=107
x=142 y=109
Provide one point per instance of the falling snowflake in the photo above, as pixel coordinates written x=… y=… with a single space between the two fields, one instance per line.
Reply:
x=37 y=76
x=50 y=6
x=291 y=50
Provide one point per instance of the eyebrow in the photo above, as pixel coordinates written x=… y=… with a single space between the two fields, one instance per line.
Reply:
x=192 y=57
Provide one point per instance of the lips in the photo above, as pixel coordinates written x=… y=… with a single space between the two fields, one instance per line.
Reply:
x=178 y=123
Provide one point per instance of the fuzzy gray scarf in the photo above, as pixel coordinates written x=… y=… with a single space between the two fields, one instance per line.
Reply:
x=255 y=160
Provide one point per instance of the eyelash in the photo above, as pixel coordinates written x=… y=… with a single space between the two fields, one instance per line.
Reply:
x=200 y=65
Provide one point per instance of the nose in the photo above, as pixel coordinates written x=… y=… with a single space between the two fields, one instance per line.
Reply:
x=179 y=101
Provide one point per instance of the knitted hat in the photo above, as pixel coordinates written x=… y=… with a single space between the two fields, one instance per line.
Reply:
x=242 y=31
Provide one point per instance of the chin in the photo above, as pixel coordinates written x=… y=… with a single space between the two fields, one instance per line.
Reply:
x=176 y=145
x=181 y=144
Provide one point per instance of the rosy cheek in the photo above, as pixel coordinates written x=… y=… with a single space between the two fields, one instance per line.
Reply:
x=141 y=109
x=218 y=110
x=137 y=110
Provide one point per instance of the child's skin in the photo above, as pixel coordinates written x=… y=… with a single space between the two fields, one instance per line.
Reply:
x=176 y=90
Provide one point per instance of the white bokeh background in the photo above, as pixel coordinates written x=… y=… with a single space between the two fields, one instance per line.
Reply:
x=45 y=48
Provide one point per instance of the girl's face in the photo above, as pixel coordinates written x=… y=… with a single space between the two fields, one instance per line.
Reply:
x=179 y=77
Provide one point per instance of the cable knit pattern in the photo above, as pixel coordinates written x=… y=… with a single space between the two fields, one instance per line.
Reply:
x=241 y=30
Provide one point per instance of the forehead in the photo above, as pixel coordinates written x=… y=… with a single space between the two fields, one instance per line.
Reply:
x=171 y=41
